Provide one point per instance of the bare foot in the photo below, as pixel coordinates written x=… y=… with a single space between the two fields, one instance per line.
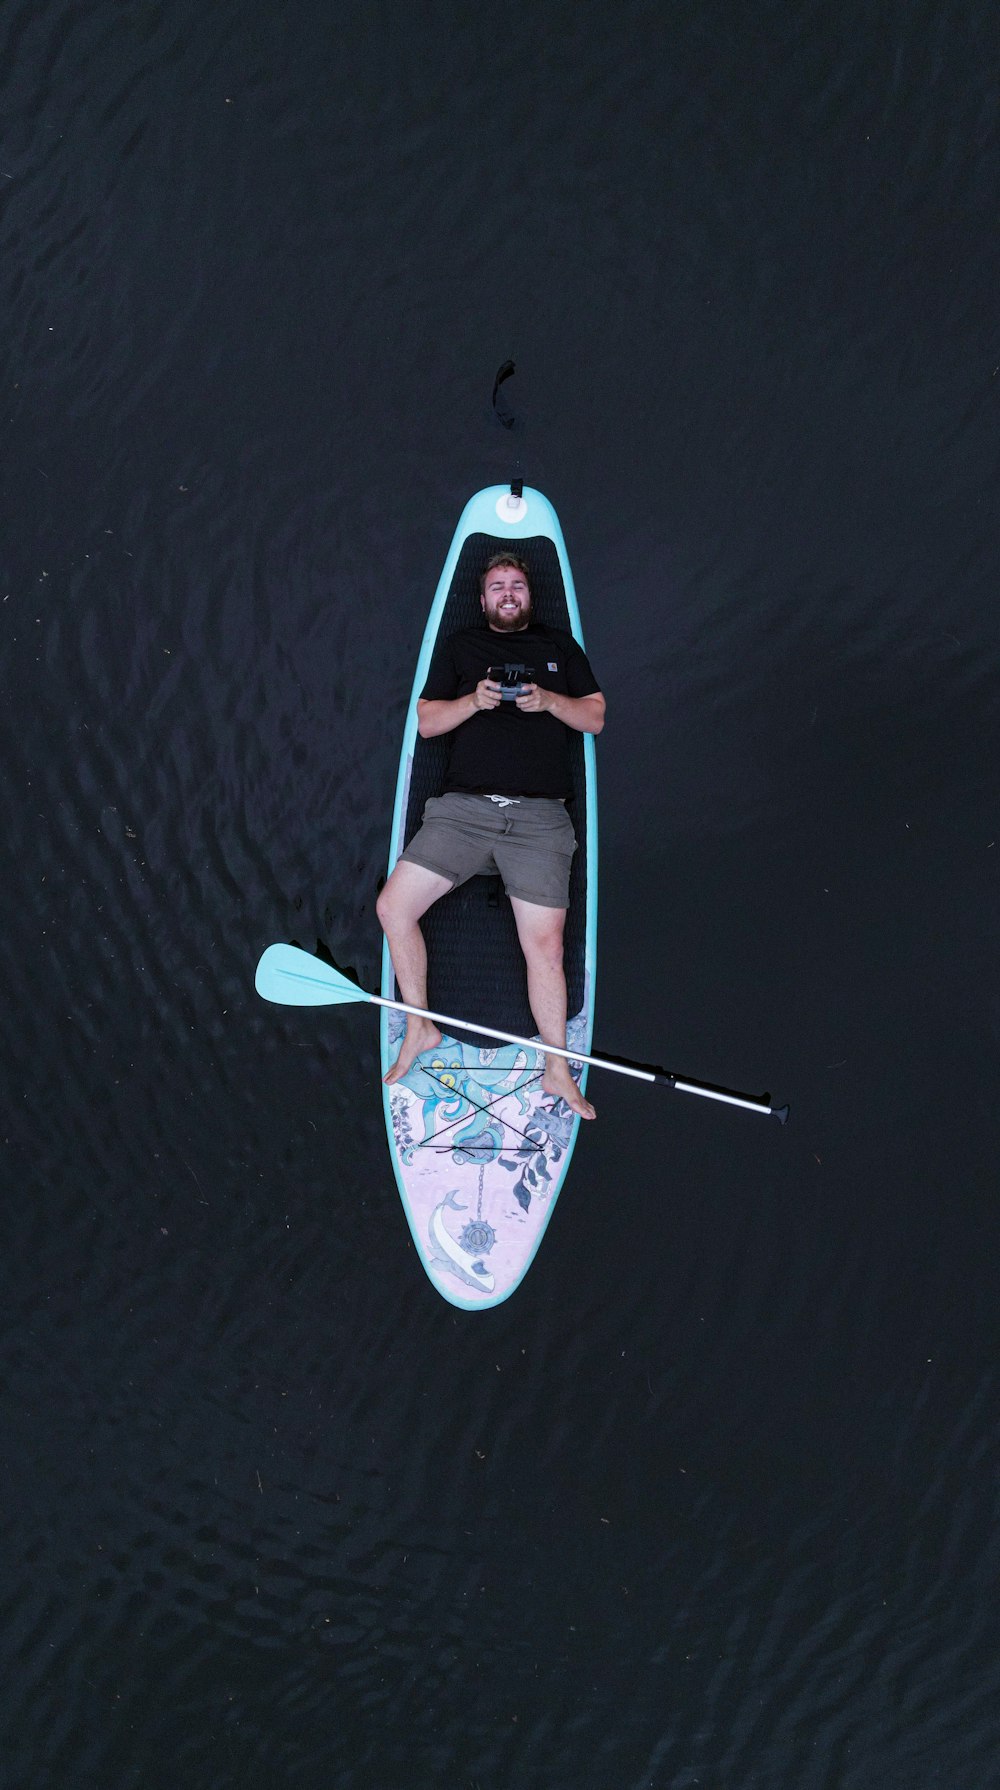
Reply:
x=421 y=1034
x=557 y=1080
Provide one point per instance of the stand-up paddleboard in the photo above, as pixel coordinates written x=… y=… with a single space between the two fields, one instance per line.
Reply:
x=480 y=1152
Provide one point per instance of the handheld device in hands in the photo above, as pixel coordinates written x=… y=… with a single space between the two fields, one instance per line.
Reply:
x=513 y=679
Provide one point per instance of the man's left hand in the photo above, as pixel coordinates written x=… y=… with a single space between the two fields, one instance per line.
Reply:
x=533 y=700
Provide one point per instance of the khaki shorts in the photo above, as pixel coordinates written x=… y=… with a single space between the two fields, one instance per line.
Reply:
x=530 y=842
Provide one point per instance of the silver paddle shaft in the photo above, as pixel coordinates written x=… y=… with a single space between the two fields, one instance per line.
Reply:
x=575 y=1056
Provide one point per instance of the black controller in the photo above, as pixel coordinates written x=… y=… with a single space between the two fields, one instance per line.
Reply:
x=512 y=679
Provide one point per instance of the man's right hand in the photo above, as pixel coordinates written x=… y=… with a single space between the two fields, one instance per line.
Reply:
x=486 y=694
x=442 y=714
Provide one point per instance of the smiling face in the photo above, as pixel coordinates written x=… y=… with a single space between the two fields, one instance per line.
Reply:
x=506 y=596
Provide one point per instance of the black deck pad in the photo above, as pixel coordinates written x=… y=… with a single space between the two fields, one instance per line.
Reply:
x=475 y=966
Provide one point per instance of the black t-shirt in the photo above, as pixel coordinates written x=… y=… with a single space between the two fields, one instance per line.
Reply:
x=501 y=751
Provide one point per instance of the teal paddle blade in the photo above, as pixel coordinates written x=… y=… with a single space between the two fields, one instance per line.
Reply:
x=295 y=978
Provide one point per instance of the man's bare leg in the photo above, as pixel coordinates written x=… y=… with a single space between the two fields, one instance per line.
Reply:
x=409 y=892
x=540 y=930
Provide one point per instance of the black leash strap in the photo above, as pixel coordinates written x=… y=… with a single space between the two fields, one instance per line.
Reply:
x=504 y=416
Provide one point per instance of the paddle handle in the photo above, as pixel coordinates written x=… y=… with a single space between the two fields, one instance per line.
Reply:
x=663 y=1077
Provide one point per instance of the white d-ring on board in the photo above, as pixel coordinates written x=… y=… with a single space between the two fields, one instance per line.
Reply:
x=511 y=508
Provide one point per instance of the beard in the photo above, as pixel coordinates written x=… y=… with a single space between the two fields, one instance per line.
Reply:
x=509 y=624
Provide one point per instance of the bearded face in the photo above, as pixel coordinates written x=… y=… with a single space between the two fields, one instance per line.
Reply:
x=506 y=600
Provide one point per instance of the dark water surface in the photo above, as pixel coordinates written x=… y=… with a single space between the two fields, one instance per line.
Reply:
x=713 y=1499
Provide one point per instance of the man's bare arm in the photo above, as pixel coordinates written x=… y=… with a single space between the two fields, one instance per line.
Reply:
x=445 y=714
x=584 y=713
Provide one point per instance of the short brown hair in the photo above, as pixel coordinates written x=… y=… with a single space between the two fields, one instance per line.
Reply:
x=504 y=559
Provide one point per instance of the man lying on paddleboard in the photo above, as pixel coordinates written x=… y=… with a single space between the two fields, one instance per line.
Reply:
x=507 y=692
